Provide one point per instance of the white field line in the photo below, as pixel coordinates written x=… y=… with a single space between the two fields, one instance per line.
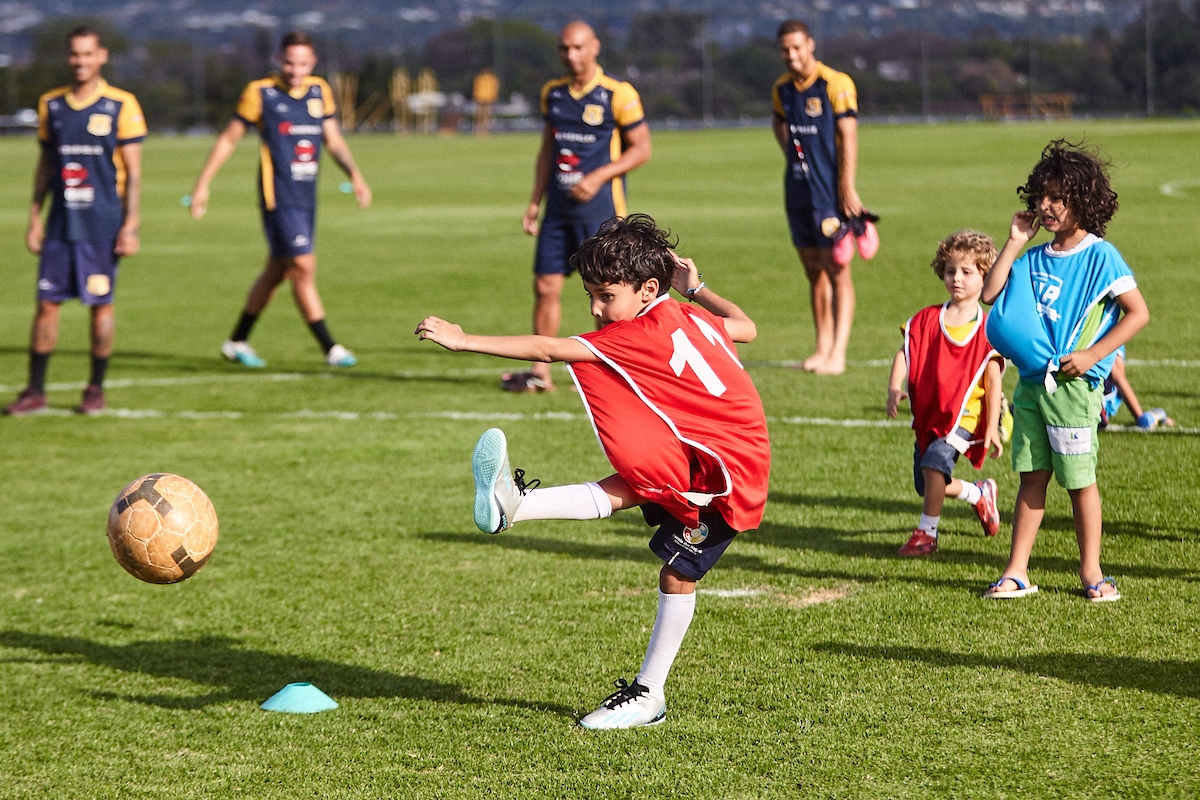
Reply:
x=1176 y=188
x=497 y=416
x=280 y=377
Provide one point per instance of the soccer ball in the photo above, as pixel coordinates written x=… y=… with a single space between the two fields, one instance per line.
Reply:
x=162 y=528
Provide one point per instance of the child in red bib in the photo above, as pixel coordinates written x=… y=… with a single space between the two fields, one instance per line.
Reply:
x=953 y=386
x=677 y=416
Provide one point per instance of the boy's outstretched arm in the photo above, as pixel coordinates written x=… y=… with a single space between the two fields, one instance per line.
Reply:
x=685 y=280
x=522 y=348
x=1134 y=317
x=992 y=441
x=896 y=383
x=1024 y=226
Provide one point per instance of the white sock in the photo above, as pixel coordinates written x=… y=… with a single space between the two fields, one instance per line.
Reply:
x=970 y=492
x=670 y=625
x=929 y=524
x=577 y=501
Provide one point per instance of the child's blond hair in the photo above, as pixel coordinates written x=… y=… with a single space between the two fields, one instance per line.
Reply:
x=975 y=246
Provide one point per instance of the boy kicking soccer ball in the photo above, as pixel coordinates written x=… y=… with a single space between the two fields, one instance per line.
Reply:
x=953 y=378
x=675 y=413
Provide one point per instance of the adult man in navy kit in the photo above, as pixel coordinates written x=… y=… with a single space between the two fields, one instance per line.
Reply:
x=595 y=132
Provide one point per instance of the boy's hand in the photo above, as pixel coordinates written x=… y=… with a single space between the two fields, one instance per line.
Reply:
x=686 y=275
x=993 y=444
x=893 y=401
x=1024 y=226
x=447 y=334
x=1078 y=363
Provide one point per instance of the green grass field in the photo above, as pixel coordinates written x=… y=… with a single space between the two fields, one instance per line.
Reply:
x=818 y=665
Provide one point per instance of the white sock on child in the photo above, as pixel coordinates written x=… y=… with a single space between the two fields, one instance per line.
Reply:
x=670 y=625
x=577 y=501
x=929 y=524
x=970 y=492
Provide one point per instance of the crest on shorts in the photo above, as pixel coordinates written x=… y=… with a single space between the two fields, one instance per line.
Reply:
x=812 y=106
x=829 y=226
x=695 y=535
x=99 y=125
x=98 y=285
x=316 y=107
x=593 y=114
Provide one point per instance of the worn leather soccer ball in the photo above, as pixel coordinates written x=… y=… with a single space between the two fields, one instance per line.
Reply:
x=162 y=528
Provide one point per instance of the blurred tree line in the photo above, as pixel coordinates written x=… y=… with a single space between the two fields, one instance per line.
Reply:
x=670 y=57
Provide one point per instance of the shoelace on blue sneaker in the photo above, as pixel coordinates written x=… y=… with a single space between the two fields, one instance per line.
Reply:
x=523 y=487
x=626 y=692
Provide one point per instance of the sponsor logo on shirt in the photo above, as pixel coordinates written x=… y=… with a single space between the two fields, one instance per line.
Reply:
x=1047 y=289
x=81 y=150
x=804 y=130
x=291 y=129
x=100 y=125
x=567 y=164
x=572 y=136
x=304 y=161
x=76 y=192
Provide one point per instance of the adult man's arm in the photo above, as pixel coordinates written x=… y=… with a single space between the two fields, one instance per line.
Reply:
x=127 y=238
x=35 y=234
x=340 y=151
x=780 y=127
x=222 y=149
x=848 y=165
x=541 y=180
x=636 y=151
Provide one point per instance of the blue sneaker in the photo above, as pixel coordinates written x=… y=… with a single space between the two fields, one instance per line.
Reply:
x=339 y=356
x=242 y=353
x=498 y=489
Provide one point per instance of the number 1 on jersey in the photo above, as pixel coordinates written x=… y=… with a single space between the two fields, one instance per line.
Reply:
x=686 y=355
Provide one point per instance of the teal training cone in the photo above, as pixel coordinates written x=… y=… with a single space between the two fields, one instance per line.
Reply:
x=299 y=698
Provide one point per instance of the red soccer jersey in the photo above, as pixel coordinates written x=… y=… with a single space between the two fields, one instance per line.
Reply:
x=941 y=375
x=677 y=415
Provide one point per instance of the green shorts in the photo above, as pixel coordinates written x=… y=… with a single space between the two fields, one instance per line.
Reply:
x=1057 y=431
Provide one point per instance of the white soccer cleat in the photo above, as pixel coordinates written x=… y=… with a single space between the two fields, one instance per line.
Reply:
x=242 y=353
x=498 y=491
x=631 y=706
x=339 y=356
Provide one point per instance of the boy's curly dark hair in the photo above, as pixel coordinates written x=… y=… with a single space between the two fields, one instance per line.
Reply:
x=1079 y=175
x=629 y=250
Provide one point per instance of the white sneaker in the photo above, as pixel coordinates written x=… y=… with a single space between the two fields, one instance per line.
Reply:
x=242 y=353
x=631 y=706
x=339 y=356
x=498 y=489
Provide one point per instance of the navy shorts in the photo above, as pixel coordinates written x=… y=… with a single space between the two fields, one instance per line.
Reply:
x=691 y=552
x=290 y=231
x=939 y=456
x=558 y=239
x=87 y=270
x=810 y=226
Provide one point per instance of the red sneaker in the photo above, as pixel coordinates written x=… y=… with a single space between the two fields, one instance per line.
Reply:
x=919 y=544
x=92 y=401
x=30 y=401
x=989 y=515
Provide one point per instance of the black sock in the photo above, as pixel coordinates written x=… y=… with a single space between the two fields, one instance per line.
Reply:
x=37 y=370
x=322 y=333
x=99 y=367
x=242 y=332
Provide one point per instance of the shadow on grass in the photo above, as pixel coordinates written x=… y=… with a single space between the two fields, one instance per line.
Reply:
x=244 y=674
x=1178 y=678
